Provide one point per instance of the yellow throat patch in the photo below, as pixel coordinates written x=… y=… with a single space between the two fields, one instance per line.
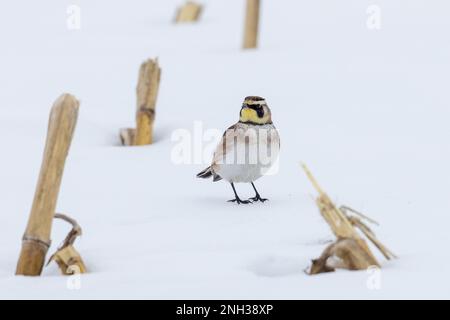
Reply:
x=250 y=115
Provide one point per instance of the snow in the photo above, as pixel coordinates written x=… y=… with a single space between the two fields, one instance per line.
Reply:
x=366 y=110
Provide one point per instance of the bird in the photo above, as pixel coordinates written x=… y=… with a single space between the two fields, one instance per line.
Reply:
x=247 y=150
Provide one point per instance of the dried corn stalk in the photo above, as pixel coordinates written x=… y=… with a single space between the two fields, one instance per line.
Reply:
x=189 y=12
x=67 y=258
x=147 y=93
x=251 y=26
x=36 y=239
x=350 y=249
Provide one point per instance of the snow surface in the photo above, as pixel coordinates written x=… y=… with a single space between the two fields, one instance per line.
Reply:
x=367 y=110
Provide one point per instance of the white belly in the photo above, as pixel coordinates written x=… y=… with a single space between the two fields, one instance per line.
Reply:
x=247 y=159
x=240 y=172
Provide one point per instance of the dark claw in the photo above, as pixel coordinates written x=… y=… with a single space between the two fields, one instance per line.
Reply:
x=258 y=198
x=239 y=201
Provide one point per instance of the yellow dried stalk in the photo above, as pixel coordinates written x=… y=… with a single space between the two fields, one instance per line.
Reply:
x=36 y=240
x=67 y=257
x=336 y=219
x=69 y=261
x=251 y=26
x=147 y=93
x=371 y=236
x=343 y=229
x=189 y=12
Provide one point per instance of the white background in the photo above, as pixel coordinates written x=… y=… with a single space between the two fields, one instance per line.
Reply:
x=367 y=110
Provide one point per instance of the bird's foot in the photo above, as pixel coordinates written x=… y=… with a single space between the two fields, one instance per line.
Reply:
x=258 y=198
x=239 y=201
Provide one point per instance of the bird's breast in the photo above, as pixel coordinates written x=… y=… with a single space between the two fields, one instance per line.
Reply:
x=247 y=152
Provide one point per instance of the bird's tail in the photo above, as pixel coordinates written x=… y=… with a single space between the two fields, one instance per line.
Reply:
x=205 y=174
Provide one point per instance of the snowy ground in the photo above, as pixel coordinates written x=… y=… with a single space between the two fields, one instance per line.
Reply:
x=367 y=110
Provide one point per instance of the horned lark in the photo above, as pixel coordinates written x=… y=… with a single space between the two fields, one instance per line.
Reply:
x=247 y=149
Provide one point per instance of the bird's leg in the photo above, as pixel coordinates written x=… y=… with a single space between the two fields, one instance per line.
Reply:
x=237 y=199
x=257 y=197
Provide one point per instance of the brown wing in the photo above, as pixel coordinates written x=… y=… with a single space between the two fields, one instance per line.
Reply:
x=223 y=148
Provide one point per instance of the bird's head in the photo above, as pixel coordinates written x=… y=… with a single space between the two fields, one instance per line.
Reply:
x=255 y=111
